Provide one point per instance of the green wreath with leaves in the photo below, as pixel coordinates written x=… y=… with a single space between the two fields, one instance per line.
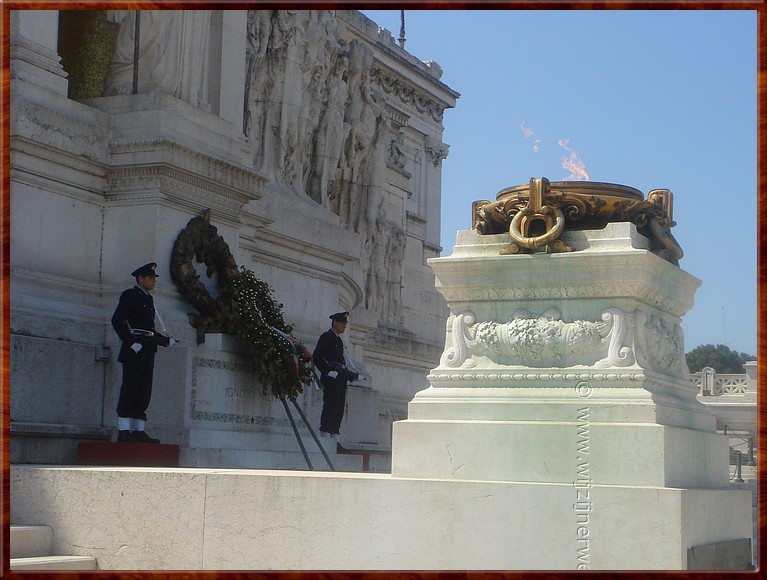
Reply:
x=245 y=307
x=282 y=362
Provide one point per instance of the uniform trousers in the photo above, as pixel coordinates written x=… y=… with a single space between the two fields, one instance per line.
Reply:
x=333 y=402
x=136 y=388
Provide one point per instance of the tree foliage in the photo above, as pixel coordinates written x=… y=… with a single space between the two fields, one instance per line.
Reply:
x=720 y=358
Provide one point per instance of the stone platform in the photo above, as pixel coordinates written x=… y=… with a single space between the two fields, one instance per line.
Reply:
x=207 y=519
x=127 y=454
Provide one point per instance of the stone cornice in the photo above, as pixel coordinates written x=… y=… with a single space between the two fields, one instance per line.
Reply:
x=212 y=167
x=585 y=381
x=163 y=169
x=406 y=92
x=647 y=293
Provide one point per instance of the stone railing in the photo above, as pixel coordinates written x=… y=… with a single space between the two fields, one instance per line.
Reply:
x=715 y=384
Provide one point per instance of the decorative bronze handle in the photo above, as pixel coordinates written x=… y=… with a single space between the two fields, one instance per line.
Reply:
x=537 y=241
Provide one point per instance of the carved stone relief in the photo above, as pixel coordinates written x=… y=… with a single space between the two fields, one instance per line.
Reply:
x=539 y=341
x=436 y=151
x=618 y=339
x=660 y=344
x=397 y=158
x=315 y=116
x=383 y=288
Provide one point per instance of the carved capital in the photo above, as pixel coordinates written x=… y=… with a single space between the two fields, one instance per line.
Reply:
x=436 y=151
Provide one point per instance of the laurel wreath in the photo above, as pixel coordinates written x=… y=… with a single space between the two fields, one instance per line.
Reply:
x=282 y=362
x=245 y=307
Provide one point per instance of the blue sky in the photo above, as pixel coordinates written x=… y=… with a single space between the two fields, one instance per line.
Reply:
x=648 y=99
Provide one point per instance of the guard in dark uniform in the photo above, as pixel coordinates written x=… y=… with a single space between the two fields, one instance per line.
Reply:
x=329 y=358
x=135 y=313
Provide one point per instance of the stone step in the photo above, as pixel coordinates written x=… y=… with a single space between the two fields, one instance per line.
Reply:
x=127 y=454
x=259 y=459
x=281 y=451
x=349 y=457
x=31 y=550
x=54 y=563
x=30 y=541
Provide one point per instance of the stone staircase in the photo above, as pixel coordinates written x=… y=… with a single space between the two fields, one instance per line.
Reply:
x=31 y=550
x=281 y=451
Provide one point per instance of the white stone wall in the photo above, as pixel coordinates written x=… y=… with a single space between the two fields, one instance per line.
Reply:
x=101 y=186
x=207 y=519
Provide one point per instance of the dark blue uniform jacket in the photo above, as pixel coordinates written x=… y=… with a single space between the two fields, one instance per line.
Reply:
x=135 y=310
x=329 y=356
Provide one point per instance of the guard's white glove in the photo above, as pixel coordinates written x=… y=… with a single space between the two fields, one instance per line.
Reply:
x=136 y=347
x=333 y=374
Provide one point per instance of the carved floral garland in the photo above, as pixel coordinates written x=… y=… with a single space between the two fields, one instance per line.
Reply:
x=539 y=341
x=617 y=340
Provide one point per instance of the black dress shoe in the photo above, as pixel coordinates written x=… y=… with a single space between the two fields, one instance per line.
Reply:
x=142 y=437
x=125 y=437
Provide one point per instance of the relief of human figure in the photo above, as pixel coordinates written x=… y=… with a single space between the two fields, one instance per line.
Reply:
x=397 y=158
x=173 y=54
x=361 y=115
x=368 y=188
x=396 y=252
x=268 y=38
x=287 y=95
x=331 y=133
x=362 y=109
x=383 y=288
x=376 y=275
x=313 y=121
x=256 y=77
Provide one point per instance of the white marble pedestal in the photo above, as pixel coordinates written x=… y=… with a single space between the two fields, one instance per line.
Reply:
x=567 y=369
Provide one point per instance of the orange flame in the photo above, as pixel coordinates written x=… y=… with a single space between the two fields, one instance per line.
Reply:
x=572 y=163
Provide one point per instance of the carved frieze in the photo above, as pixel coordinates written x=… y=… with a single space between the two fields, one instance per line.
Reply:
x=645 y=292
x=406 y=93
x=185 y=176
x=617 y=340
x=539 y=341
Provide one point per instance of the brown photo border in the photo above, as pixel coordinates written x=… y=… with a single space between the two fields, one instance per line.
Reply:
x=7 y=5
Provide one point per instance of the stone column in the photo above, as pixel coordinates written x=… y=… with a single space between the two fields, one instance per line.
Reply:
x=708 y=378
x=34 y=55
x=227 y=74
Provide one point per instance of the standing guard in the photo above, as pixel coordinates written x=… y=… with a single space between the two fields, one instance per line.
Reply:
x=329 y=358
x=133 y=321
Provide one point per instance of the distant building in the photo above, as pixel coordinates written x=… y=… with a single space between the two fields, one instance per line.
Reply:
x=732 y=398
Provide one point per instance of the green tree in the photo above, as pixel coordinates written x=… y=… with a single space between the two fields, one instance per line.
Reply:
x=720 y=358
